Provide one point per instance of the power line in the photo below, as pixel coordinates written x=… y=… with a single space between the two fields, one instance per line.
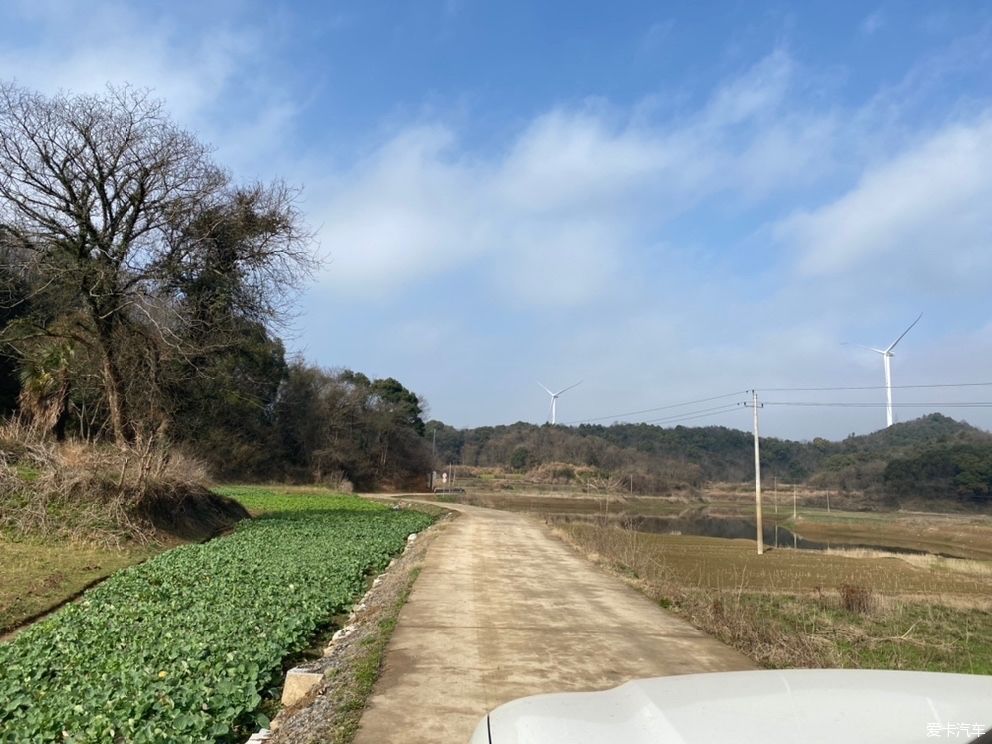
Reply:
x=657 y=408
x=846 y=404
x=695 y=414
x=875 y=387
x=687 y=415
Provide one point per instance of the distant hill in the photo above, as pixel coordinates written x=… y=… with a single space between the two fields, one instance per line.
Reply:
x=932 y=456
x=859 y=462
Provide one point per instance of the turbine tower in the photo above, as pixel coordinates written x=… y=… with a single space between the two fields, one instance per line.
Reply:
x=554 y=399
x=887 y=364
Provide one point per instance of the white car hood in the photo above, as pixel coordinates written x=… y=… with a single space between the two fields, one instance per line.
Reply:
x=810 y=706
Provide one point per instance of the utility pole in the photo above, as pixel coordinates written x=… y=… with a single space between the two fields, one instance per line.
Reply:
x=757 y=475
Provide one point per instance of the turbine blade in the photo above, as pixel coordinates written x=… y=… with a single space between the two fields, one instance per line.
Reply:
x=545 y=389
x=893 y=344
x=569 y=387
x=862 y=346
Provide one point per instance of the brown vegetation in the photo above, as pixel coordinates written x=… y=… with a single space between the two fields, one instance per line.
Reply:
x=104 y=494
x=856 y=598
x=793 y=608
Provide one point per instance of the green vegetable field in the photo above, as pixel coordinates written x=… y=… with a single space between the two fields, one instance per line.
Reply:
x=177 y=649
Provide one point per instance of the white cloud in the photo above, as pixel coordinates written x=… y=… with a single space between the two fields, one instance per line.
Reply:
x=921 y=217
x=211 y=74
x=757 y=93
x=573 y=160
x=406 y=212
x=656 y=36
x=580 y=189
x=872 y=23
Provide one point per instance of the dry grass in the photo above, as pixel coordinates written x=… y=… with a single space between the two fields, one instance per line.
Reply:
x=925 y=562
x=803 y=608
x=963 y=535
x=857 y=599
x=73 y=513
x=721 y=564
x=99 y=493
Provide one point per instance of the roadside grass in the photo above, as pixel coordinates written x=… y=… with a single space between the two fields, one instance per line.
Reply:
x=816 y=631
x=36 y=575
x=792 y=608
x=364 y=671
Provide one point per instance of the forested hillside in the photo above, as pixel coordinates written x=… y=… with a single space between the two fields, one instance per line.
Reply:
x=930 y=457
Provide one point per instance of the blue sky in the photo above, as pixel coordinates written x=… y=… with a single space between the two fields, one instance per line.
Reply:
x=667 y=201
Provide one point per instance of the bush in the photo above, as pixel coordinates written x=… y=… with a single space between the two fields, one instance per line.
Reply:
x=856 y=599
x=104 y=493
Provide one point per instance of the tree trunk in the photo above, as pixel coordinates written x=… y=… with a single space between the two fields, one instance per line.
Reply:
x=62 y=414
x=113 y=384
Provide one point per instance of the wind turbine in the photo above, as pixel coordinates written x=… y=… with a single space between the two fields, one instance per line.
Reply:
x=554 y=399
x=887 y=363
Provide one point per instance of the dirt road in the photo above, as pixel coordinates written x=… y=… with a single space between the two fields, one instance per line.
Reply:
x=503 y=609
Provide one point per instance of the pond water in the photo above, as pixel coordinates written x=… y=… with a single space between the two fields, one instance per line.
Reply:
x=732 y=528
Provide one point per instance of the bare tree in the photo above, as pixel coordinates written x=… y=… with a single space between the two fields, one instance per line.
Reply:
x=109 y=205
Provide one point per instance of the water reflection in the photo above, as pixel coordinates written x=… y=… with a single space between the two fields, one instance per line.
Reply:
x=701 y=524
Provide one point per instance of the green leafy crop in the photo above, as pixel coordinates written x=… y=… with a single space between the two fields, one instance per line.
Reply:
x=177 y=649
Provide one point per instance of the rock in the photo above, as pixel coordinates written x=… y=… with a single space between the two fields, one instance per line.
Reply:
x=298 y=683
x=344 y=632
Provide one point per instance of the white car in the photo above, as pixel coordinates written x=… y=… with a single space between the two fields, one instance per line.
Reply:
x=811 y=706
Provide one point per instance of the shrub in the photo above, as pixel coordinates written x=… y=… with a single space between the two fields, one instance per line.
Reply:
x=856 y=599
x=104 y=493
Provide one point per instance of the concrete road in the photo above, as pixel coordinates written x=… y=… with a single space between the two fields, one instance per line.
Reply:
x=503 y=609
